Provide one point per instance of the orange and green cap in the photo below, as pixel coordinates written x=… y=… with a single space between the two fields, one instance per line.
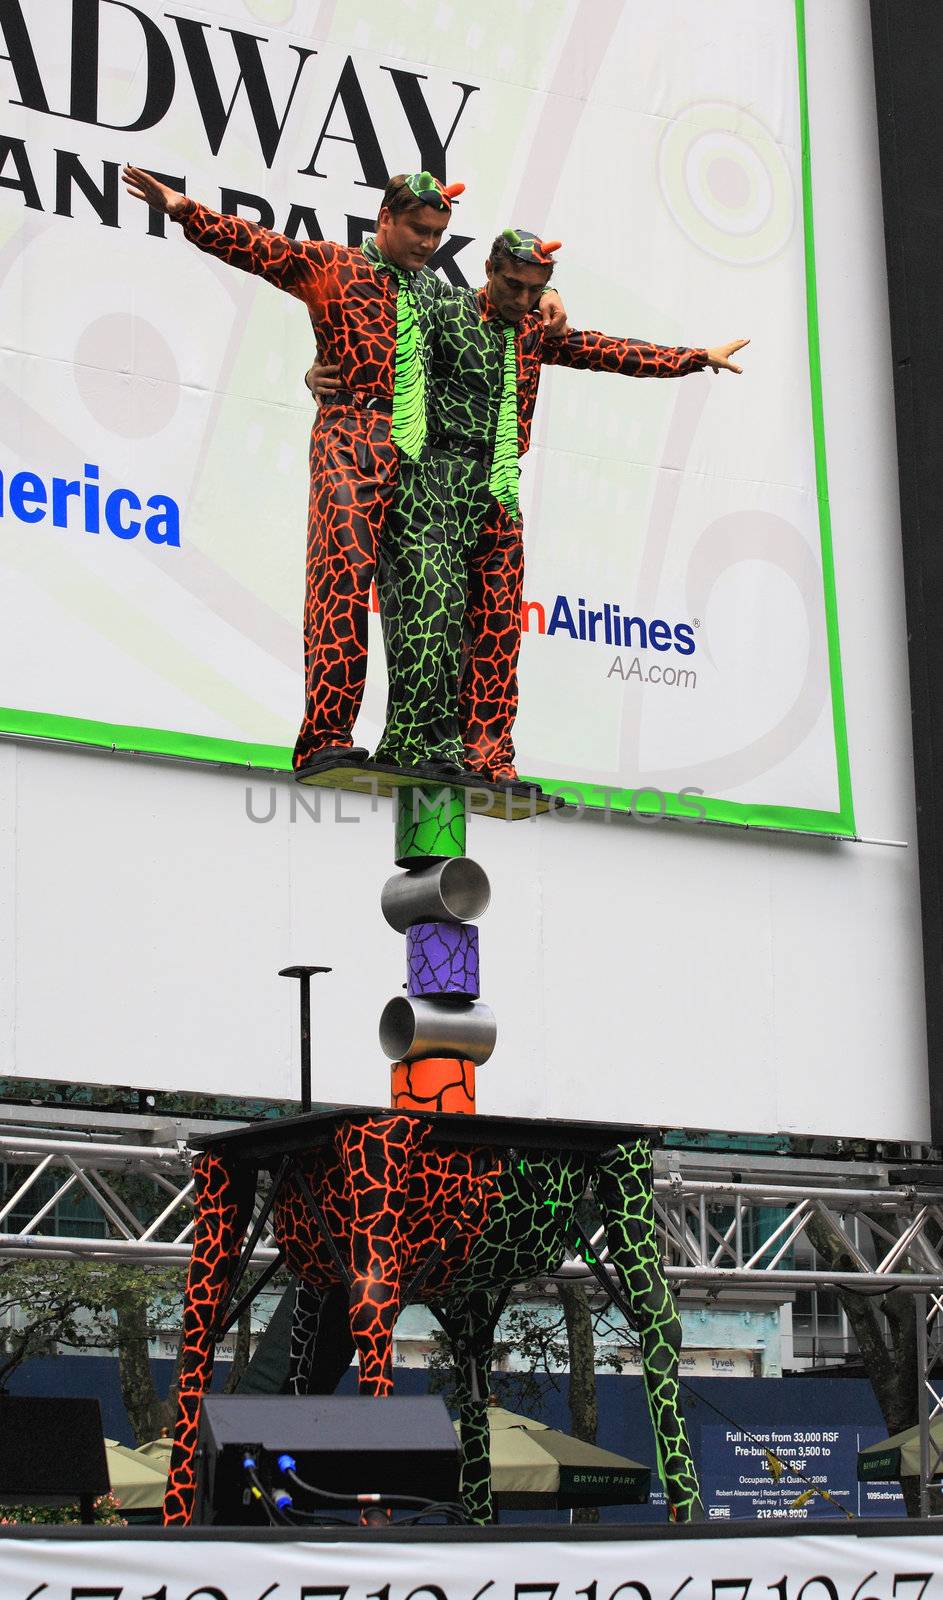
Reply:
x=525 y=246
x=431 y=192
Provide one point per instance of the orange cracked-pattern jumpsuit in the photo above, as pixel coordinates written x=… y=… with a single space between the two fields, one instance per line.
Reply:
x=350 y=295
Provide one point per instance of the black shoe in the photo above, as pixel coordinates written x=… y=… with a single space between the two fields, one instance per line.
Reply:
x=333 y=755
x=516 y=786
x=446 y=772
x=423 y=770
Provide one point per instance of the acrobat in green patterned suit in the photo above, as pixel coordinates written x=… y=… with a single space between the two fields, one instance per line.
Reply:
x=451 y=557
x=453 y=554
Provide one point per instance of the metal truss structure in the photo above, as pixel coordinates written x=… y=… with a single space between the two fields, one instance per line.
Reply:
x=930 y=1408
x=722 y=1230
x=53 y=1163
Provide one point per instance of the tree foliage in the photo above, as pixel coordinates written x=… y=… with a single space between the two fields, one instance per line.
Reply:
x=885 y=1330
x=92 y=1305
x=535 y=1334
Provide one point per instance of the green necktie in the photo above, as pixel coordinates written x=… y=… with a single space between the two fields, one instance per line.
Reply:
x=503 y=480
x=409 y=383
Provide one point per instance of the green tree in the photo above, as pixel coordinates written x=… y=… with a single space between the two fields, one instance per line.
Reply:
x=48 y=1304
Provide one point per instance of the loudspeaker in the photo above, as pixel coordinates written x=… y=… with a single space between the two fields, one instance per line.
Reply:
x=348 y=1445
x=52 y=1452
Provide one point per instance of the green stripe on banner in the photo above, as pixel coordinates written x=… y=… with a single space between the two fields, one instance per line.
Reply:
x=273 y=757
x=698 y=809
x=846 y=809
x=143 y=741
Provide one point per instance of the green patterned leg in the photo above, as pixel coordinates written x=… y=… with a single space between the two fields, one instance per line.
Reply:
x=524 y=1237
x=466 y=1322
x=422 y=582
x=476 y=1461
x=624 y=1190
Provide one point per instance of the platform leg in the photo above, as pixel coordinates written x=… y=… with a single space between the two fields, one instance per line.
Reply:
x=467 y=1320
x=474 y=1374
x=222 y=1206
x=624 y=1190
x=304 y=1336
x=377 y=1157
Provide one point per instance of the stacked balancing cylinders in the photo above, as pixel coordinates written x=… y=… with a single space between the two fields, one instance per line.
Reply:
x=439 y=1031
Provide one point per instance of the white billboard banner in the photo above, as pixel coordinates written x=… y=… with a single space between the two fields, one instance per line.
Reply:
x=680 y=615
x=814 y=1567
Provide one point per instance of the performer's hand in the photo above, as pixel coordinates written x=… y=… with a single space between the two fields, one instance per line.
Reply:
x=143 y=186
x=322 y=379
x=720 y=356
x=553 y=314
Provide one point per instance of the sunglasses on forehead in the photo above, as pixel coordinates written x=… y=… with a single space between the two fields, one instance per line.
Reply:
x=431 y=192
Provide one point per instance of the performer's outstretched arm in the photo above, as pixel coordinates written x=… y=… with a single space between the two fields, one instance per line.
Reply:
x=287 y=263
x=635 y=358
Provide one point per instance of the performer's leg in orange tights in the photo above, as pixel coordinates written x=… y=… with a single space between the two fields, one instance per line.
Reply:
x=354 y=466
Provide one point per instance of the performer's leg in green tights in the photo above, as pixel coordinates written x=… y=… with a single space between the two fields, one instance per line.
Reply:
x=488 y=692
x=438 y=508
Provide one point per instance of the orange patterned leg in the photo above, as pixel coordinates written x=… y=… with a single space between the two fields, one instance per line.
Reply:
x=223 y=1204
x=353 y=467
x=377 y=1156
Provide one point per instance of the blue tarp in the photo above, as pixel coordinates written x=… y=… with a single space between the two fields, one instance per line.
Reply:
x=820 y=1422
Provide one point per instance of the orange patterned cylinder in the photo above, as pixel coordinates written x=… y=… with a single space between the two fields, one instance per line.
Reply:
x=433 y=1084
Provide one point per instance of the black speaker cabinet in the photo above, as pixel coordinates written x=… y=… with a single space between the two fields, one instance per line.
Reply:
x=402 y=1445
x=51 y=1451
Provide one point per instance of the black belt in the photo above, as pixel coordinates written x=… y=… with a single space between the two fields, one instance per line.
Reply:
x=360 y=399
x=476 y=449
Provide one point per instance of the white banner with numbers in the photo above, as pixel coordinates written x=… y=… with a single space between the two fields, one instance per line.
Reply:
x=807 y=1567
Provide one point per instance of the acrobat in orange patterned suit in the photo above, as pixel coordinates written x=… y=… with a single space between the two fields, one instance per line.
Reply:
x=370 y=307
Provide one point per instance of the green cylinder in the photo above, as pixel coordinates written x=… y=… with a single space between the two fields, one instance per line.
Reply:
x=429 y=824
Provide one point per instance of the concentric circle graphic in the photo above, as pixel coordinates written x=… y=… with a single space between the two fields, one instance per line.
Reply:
x=726 y=183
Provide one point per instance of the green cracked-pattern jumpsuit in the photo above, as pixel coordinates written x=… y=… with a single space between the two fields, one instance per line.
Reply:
x=451 y=558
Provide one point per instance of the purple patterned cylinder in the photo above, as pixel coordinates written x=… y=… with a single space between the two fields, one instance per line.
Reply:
x=442 y=960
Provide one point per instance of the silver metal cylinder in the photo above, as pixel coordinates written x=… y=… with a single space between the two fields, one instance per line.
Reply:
x=411 y=1028
x=450 y=891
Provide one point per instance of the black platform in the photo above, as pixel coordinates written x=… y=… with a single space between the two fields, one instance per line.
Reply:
x=266 y=1143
